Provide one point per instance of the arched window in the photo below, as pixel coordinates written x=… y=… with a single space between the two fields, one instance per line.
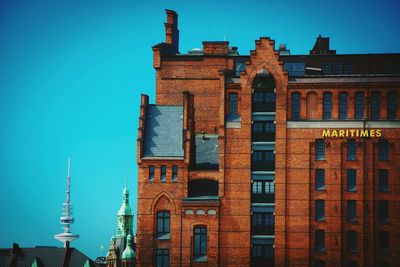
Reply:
x=343 y=106
x=296 y=106
x=264 y=93
x=359 y=106
x=327 y=112
x=233 y=104
x=375 y=105
x=392 y=105
x=311 y=105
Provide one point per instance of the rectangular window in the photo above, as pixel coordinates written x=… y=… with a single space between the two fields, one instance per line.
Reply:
x=295 y=106
x=257 y=187
x=319 y=263
x=319 y=149
x=320 y=210
x=383 y=210
x=359 y=106
x=269 y=187
x=351 y=241
x=392 y=105
x=233 y=103
x=257 y=156
x=319 y=179
x=162 y=258
x=384 y=241
x=295 y=69
x=352 y=263
x=320 y=240
x=163 y=173
x=174 y=173
x=383 y=180
x=259 y=251
x=351 y=180
x=343 y=106
x=327 y=105
x=258 y=127
x=383 y=149
x=163 y=223
x=375 y=105
x=151 y=173
x=351 y=149
x=351 y=210
x=200 y=243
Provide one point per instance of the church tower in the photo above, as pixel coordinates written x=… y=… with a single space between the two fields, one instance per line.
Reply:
x=122 y=243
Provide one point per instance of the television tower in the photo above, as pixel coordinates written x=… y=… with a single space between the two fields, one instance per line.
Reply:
x=66 y=218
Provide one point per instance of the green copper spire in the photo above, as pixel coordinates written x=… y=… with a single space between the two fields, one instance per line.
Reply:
x=128 y=253
x=125 y=216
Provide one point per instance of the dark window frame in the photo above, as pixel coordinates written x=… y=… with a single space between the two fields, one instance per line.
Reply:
x=175 y=171
x=200 y=243
x=162 y=257
x=383 y=180
x=351 y=149
x=319 y=240
x=163 y=173
x=233 y=104
x=383 y=149
x=351 y=180
x=320 y=210
x=375 y=105
x=163 y=225
x=359 y=106
x=327 y=106
x=151 y=173
x=392 y=105
x=343 y=105
x=320 y=179
x=296 y=105
x=320 y=149
x=351 y=210
x=352 y=240
x=383 y=210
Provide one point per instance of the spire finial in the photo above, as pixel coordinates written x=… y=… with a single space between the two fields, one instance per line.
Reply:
x=69 y=167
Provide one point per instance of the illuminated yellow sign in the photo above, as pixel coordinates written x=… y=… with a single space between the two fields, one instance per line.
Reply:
x=344 y=133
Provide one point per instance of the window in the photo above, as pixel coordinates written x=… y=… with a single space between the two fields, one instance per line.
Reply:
x=359 y=106
x=384 y=241
x=263 y=156
x=383 y=210
x=163 y=173
x=262 y=223
x=200 y=243
x=257 y=187
x=174 y=173
x=239 y=67
x=151 y=173
x=295 y=106
x=319 y=263
x=320 y=240
x=269 y=187
x=375 y=105
x=352 y=264
x=351 y=180
x=383 y=180
x=351 y=149
x=296 y=69
x=327 y=105
x=319 y=179
x=233 y=103
x=351 y=241
x=162 y=258
x=319 y=149
x=320 y=210
x=343 y=107
x=262 y=251
x=383 y=149
x=351 y=210
x=264 y=127
x=163 y=220
x=392 y=105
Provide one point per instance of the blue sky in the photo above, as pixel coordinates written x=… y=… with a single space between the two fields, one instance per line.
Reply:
x=71 y=75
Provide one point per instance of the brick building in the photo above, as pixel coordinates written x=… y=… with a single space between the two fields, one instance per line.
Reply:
x=269 y=159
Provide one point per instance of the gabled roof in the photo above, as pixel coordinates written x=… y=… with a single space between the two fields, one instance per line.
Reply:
x=163 y=132
x=43 y=256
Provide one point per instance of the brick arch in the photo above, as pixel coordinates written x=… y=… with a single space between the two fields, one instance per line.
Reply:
x=311 y=105
x=163 y=201
x=271 y=68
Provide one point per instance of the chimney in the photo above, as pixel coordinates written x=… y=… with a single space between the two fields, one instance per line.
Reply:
x=321 y=46
x=171 y=30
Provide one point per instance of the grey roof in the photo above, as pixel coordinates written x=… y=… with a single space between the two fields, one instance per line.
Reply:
x=46 y=256
x=207 y=151
x=163 y=133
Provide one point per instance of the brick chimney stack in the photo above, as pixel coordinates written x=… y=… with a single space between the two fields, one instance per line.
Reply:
x=171 y=30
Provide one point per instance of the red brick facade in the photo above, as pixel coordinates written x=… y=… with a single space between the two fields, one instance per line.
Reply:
x=202 y=84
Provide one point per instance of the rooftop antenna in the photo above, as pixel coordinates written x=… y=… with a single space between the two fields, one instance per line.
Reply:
x=66 y=218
